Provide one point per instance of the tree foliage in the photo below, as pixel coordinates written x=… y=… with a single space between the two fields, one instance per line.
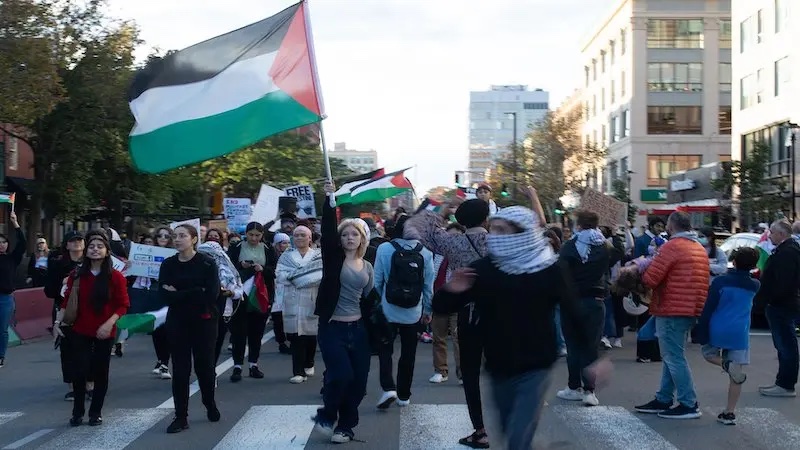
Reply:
x=620 y=191
x=759 y=197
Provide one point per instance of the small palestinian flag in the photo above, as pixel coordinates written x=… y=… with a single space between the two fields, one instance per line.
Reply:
x=430 y=205
x=226 y=93
x=256 y=292
x=8 y=198
x=343 y=193
x=378 y=189
x=131 y=324
x=765 y=248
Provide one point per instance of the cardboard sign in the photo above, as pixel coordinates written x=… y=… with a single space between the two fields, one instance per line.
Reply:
x=612 y=212
x=304 y=194
x=219 y=224
x=238 y=212
x=146 y=260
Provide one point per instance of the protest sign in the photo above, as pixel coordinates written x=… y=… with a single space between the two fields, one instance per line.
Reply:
x=237 y=212
x=612 y=212
x=304 y=194
x=193 y=222
x=145 y=260
x=266 y=207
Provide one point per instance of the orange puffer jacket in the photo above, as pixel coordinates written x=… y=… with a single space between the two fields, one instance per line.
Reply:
x=679 y=278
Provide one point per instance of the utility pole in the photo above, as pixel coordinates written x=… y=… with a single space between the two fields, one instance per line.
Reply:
x=514 y=155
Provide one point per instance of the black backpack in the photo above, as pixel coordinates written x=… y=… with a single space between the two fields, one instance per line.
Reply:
x=406 y=276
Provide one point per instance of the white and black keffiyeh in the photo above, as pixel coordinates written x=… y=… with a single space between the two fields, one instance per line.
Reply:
x=526 y=252
x=228 y=275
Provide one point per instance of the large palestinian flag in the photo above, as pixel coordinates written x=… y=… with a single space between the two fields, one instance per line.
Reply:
x=226 y=93
x=378 y=189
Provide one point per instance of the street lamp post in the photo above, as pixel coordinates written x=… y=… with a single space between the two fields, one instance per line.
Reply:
x=791 y=139
x=628 y=212
x=514 y=154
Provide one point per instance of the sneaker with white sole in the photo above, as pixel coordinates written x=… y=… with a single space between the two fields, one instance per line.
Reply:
x=341 y=437
x=438 y=378
x=590 y=399
x=776 y=391
x=321 y=426
x=309 y=372
x=573 y=395
x=297 y=379
x=681 y=412
x=605 y=343
x=617 y=343
x=157 y=369
x=386 y=400
x=163 y=372
x=403 y=403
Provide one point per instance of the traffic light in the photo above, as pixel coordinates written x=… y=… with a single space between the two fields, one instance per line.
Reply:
x=458 y=179
x=504 y=191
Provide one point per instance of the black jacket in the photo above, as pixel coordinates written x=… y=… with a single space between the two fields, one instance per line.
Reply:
x=9 y=262
x=269 y=268
x=592 y=277
x=372 y=249
x=332 y=263
x=780 y=282
x=38 y=276
x=516 y=312
x=59 y=265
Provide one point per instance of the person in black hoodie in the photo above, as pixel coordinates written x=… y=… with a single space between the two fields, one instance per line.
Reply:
x=8 y=269
x=515 y=290
x=780 y=291
x=589 y=258
x=375 y=241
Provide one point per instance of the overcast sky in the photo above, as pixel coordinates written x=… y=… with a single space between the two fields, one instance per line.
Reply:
x=396 y=74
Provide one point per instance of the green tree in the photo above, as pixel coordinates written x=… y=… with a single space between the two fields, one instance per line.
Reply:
x=619 y=190
x=759 y=197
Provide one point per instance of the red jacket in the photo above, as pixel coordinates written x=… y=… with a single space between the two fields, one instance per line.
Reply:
x=679 y=278
x=88 y=320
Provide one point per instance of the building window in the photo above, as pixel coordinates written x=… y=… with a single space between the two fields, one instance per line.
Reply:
x=594 y=69
x=625 y=124
x=759 y=25
x=615 y=135
x=594 y=137
x=613 y=93
x=622 y=84
x=746 y=32
x=781 y=14
x=725 y=34
x=586 y=109
x=534 y=105
x=675 y=33
x=674 y=120
x=725 y=119
x=594 y=105
x=603 y=57
x=612 y=47
x=660 y=167
x=759 y=86
x=13 y=153
x=603 y=99
x=587 y=140
x=725 y=157
x=623 y=167
x=586 y=75
x=675 y=77
x=725 y=77
x=747 y=89
x=604 y=135
x=782 y=76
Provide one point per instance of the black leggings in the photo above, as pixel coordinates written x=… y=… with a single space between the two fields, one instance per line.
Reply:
x=304 y=349
x=247 y=327
x=91 y=360
x=470 y=345
x=192 y=340
x=161 y=344
x=277 y=327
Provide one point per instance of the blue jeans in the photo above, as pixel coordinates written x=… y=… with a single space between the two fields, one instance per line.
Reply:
x=559 y=333
x=609 y=324
x=6 y=310
x=519 y=401
x=346 y=353
x=676 y=375
x=782 y=326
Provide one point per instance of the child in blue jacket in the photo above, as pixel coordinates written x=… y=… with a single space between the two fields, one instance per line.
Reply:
x=724 y=326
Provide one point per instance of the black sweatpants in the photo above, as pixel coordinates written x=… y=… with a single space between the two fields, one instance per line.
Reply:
x=277 y=327
x=192 y=339
x=304 y=349
x=247 y=328
x=470 y=346
x=91 y=358
x=405 y=365
x=161 y=345
x=222 y=331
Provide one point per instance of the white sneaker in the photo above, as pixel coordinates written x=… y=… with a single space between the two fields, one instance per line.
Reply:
x=386 y=400
x=297 y=379
x=163 y=372
x=403 y=403
x=605 y=342
x=157 y=369
x=310 y=372
x=573 y=395
x=340 y=438
x=617 y=343
x=590 y=399
x=562 y=352
x=438 y=378
x=216 y=383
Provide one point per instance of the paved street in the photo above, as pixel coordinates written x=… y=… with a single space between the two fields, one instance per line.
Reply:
x=271 y=413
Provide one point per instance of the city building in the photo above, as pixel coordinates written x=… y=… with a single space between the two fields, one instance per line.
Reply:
x=657 y=94
x=766 y=85
x=494 y=115
x=17 y=175
x=359 y=161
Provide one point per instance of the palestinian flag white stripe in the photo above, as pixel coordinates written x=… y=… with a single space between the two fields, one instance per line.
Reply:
x=241 y=83
x=142 y=323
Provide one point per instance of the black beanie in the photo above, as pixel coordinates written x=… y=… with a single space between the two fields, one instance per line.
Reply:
x=399 y=227
x=472 y=213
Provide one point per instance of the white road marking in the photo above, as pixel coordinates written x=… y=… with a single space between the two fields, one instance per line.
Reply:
x=121 y=428
x=28 y=439
x=610 y=428
x=275 y=427
x=221 y=368
x=766 y=426
x=9 y=416
x=760 y=333
x=433 y=426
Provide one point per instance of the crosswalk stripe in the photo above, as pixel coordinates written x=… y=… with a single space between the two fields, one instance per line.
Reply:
x=433 y=426
x=28 y=439
x=610 y=427
x=271 y=427
x=8 y=416
x=122 y=428
x=765 y=425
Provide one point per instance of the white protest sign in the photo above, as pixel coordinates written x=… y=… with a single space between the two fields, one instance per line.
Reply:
x=238 y=212
x=193 y=222
x=146 y=260
x=118 y=264
x=469 y=192
x=266 y=207
x=304 y=194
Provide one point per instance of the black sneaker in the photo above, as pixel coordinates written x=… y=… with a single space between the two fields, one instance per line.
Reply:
x=2 y=362
x=213 y=414
x=727 y=418
x=236 y=376
x=95 y=421
x=284 y=349
x=76 y=421
x=70 y=397
x=681 y=412
x=653 y=407
x=118 y=351
x=177 y=426
x=255 y=372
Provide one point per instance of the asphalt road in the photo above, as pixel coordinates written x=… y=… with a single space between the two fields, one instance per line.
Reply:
x=271 y=413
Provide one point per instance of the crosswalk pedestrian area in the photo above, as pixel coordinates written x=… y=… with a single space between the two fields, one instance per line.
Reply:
x=420 y=427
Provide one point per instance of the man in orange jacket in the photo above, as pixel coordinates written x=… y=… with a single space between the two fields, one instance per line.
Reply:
x=679 y=278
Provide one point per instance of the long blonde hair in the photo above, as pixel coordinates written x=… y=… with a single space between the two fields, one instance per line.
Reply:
x=359 y=227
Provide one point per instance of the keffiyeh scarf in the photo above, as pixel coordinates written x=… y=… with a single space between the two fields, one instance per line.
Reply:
x=520 y=253
x=228 y=275
x=586 y=239
x=301 y=271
